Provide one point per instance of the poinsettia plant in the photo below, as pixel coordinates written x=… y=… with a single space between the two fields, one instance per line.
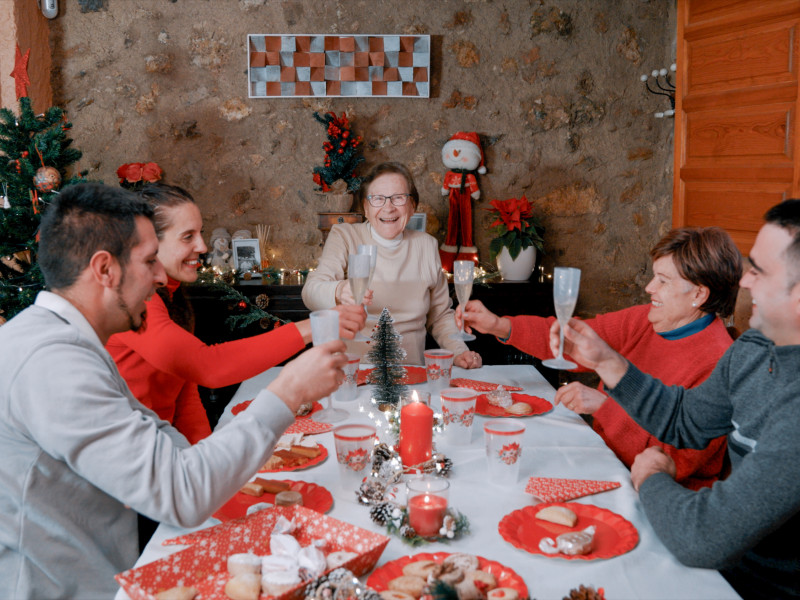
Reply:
x=134 y=176
x=342 y=154
x=515 y=228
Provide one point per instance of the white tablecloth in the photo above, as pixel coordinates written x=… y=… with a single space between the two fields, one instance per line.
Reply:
x=558 y=444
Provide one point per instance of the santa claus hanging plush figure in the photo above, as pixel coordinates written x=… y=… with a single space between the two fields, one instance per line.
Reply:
x=463 y=156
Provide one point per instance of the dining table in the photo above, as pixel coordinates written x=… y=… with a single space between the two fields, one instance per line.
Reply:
x=557 y=444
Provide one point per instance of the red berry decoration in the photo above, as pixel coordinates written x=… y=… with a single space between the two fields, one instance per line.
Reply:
x=242 y=304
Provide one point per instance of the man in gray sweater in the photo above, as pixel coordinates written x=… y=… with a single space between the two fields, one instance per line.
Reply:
x=80 y=454
x=747 y=526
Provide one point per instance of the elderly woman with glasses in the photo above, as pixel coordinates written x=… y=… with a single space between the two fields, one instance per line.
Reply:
x=408 y=278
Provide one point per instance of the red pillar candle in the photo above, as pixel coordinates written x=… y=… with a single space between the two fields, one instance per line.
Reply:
x=416 y=432
x=426 y=514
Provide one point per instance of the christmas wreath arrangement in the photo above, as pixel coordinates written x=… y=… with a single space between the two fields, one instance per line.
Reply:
x=378 y=492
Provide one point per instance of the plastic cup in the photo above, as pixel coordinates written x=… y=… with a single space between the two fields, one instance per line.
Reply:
x=354 y=446
x=427 y=504
x=458 y=412
x=503 y=439
x=438 y=365
x=348 y=391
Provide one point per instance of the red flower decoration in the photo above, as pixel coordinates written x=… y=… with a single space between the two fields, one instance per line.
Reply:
x=515 y=226
x=135 y=175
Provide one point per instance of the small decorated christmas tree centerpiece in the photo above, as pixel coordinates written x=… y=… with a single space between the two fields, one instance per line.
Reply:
x=387 y=357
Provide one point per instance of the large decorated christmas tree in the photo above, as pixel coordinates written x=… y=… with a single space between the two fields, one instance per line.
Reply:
x=34 y=155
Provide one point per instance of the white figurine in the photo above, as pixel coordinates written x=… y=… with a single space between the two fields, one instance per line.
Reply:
x=220 y=254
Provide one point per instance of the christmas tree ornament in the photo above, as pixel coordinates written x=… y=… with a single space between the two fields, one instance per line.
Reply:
x=463 y=157
x=20 y=73
x=6 y=203
x=47 y=179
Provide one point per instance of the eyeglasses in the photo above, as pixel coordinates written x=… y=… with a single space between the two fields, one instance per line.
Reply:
x=397 y=200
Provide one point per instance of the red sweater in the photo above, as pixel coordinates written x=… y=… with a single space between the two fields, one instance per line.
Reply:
x=686 y=362
x=164 y=364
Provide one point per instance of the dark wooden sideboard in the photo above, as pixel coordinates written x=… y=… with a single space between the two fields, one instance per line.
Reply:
x=285 y=301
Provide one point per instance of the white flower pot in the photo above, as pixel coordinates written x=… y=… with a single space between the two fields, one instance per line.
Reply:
x=518 y=269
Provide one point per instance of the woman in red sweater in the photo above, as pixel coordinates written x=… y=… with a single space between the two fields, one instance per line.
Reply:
x=164 y=363
x=678 y=337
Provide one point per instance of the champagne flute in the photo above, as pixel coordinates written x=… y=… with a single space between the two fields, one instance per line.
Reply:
x=358 y=277
x=324 y=328
x=463 y=275
x=566 y=282
x=370 y=250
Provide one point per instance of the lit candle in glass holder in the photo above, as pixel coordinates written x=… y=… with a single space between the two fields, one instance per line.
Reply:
x=427 y=504
x=416 y=429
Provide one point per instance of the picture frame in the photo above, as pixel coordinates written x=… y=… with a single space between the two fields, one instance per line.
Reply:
x=418 y=222
x=246 y=255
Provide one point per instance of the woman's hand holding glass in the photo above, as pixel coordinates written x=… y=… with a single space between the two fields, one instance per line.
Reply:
x=474 y=315
x=358 y=269
x=370 y=250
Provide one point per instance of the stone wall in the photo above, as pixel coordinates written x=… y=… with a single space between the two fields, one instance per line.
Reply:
x=552 y=87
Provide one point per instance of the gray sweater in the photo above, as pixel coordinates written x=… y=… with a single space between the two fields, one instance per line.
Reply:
x=80 y=454
x=749 y=524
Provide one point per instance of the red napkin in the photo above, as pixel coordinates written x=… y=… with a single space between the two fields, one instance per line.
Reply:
x=481 y=386
x=414 y=375
x=562 y=490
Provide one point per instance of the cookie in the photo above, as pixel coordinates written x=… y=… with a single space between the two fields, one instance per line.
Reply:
x=465 y=562
x=483 y=579
x=422 y=568
x=558 y=514
x=246 y=586
x=503 y=593
x=520 y=408
x=288 y=498
x=408 y=584
x=450 y=574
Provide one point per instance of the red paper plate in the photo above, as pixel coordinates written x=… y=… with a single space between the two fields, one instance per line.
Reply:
x=315 y=497
x=314 y=461
x=540 y=406
x=380 y=577
x=414 y=375
x=613 y=536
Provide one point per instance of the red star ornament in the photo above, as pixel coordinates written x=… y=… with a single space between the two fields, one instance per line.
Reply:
x=20 y=72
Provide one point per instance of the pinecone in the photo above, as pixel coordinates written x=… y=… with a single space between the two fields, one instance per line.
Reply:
x=585 y=593
x=370 y=492
x=407 y=531
x=381 y=454
x=380 y=513
x=445 y=465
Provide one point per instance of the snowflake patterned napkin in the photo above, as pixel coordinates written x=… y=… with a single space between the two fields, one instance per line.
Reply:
x=481 y=386
x=301 y=424
x=561 y=490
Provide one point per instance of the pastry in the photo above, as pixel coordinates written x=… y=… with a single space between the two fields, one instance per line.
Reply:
x=246 y=586
x=423 y=569
x=338 y=558
x=275 y=583
x=467 y=590
x=308 y=451
x=394 y=595
x=558 y=514
x=271 y=486
x=312 y=560
x=484 y=580
x=178 y=593
x=281 y=544
x=572 y=543
x=503 y=593
x=288 y=498
x=408 y=584
x=465 y=562
x=273 y=463
x=252 y=489
x=449 y=574
x=520 y=408
x=244 y=563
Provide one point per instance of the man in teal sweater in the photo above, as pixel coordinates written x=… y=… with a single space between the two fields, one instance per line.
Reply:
x=748 y=525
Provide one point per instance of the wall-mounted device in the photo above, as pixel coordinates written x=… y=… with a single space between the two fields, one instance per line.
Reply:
x=49 y=8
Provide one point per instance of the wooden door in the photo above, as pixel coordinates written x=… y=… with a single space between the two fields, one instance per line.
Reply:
x=736 y=113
